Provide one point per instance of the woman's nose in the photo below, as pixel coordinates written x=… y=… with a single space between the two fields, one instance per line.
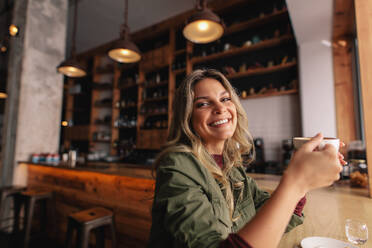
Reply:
x=219 y=108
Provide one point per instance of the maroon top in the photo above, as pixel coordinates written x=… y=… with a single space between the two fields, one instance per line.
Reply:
x=234 y=240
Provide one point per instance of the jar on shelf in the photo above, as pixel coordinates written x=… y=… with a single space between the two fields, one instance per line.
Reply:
x=358 y=173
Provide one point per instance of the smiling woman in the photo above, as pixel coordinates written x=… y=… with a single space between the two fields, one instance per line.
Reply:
x=203 y=197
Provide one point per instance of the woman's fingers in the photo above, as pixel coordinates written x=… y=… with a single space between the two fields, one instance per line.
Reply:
x=341 y=158
x=313 y=143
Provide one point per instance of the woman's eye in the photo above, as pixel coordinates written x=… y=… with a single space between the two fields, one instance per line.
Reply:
x=201 y=104
x=226 y=99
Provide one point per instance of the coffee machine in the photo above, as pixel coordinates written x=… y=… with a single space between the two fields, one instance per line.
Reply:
x=287 y=146
x=258 y=163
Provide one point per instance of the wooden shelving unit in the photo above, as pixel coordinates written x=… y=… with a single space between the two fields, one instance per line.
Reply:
x=174 y=58
x=245 y=49
x=152 y=85
x=278 y=93
x=179 y=52
x=178 y=71
x=256 y=22
x=128 y=86
x=156 y=114
x=260 y=71
x=129 y=106
x=158 y=99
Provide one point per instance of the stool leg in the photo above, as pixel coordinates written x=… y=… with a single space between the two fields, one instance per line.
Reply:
x=83 y=237
x=113 y=233
x=17 y=212
x=44 y=217
x=29 y=212
x=52 y=214
x=100 y=237
x=69 y=234
x=2 y=203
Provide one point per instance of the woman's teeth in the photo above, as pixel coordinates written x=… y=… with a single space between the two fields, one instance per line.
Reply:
x=219 y=122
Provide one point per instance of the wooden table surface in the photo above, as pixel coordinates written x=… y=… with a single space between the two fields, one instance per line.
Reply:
x=325 y=211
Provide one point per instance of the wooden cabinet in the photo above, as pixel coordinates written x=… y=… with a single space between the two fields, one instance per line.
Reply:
x=258 y=54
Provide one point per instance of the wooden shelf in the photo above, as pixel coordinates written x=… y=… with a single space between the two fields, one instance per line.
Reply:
x=97 y=86
x=179 y=52
x=256 y=22
x=153 y=85
x=78 y=110
x=78 y=94
x=102 y=105
x=127 y=86
x=159 y=129
x=126 y=127
x=102 y=124
x=179 y=71
x=244 y=49
x=101 y=141
x=129 y=106
x=105 y=70
x=155 y=114
x=260 y=71
x=158 y=99
x=278 y=93
x=155 y=68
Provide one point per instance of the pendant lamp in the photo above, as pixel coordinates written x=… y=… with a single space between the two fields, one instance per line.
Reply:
x=3 y=95
x=124 y=50
x=204 y=26
x=71 y=67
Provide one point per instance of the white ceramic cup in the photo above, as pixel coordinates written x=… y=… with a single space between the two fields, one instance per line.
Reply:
x=299 y=141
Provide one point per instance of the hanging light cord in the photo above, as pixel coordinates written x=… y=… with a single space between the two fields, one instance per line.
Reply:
x=73 y=48
x=125 y=28
x=201 y=4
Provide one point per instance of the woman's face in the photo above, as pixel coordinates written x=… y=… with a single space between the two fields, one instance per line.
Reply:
x=214 y=114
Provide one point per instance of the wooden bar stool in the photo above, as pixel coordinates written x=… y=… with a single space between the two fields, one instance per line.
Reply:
x=87 y=220
x=7 y=192
x=29 y=198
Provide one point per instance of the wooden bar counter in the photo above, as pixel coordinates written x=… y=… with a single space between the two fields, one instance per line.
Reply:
x=128 y=191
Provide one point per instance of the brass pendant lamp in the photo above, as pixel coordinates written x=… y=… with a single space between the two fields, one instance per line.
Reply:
x=204 y=26
x=71 y=67
x=124 y=50
x=3 y=95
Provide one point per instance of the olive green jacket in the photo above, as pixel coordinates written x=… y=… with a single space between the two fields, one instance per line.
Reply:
x=189 y=209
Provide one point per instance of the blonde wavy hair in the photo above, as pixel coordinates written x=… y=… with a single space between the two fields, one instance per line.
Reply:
x=182 y=137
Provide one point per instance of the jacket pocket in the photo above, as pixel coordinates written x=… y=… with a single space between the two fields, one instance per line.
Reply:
x=221 y=212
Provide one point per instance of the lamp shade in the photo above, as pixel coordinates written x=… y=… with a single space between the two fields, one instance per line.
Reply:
x=71 y=68
x=3 y=95
x=125 y=51
x=203 y=27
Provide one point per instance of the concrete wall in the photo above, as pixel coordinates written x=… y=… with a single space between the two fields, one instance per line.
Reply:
x=312 y=24
x=317 y=89
x=41 y=88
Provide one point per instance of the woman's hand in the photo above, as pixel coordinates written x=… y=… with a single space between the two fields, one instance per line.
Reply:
x=310 y=168
x=340 y=156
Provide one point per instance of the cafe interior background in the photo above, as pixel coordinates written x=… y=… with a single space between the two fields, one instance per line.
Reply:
x=300 y=67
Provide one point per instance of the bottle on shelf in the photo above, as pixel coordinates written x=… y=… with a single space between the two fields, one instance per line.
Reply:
x=127 y=121
x=155 y=122
x=102 y=136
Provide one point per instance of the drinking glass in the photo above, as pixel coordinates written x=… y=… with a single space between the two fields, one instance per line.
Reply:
x=356 y=231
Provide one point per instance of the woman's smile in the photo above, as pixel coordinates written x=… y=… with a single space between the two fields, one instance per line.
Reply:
x=220 y=123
